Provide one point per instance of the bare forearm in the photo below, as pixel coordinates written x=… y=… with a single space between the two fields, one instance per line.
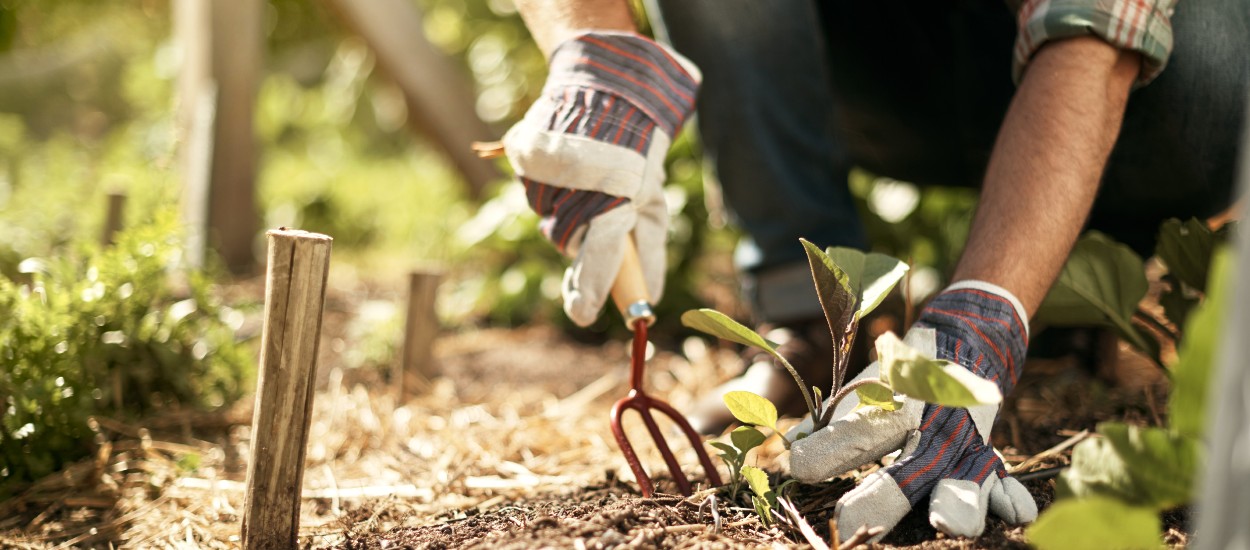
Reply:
x=1044 y=172
x=553 y=21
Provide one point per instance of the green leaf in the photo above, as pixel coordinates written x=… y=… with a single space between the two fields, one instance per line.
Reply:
x=1162 y=465
x=1186 y=248
x=728 y=452
x=757 y=479
x=746 y=438
x=1095 y=523
x=910 y=373
x=1101 y=284
x=877 y=394
x=1191 y=375
x=764 y=498
x=835 y=290
x=720 y=325
x=752 y=409
x=871 y=275
x=1098 y=470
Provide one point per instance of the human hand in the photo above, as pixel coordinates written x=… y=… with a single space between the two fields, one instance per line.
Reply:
x=946 y=454
x=590 y=152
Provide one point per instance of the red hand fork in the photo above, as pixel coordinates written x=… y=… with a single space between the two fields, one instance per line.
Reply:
x=631 y=296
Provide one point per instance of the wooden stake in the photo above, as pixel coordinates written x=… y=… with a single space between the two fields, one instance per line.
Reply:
x=113 y=217
x=295 y=288
x=421 y=329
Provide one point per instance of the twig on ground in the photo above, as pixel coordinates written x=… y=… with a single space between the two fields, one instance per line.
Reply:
x=1033 y=460
x=862 y=536
x=801 y=524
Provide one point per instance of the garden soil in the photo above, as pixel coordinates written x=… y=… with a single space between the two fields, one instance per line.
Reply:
x=508 y=448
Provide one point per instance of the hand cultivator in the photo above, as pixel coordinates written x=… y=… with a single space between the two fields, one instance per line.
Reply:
x=630 y=295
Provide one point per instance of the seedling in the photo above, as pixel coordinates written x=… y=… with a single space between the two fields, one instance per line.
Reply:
x=850 y=284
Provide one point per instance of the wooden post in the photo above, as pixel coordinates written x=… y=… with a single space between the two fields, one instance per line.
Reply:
x=222 y=45
x=295 y=288
x=438 y=94
x=421 y=329
x=113 y=217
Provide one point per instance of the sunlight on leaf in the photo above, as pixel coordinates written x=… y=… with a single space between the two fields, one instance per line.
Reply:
x=877 y=394
x=1162 y=465
x=746 y=438
x=931 y=380
x=720 y=325
x=1095 y=523
x=764 y=497
x=1098 y=470
x=752 y=409
x=1191 y=374
x=757 y=479
x=876 y=274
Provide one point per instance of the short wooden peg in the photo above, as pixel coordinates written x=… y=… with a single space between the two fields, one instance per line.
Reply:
x=295 y=289
x=420 y=331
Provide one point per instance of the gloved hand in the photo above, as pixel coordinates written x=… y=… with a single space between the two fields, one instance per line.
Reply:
x=946 y=454
x=591 y=151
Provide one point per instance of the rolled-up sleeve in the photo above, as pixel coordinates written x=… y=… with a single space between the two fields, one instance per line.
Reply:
x=1143 y=26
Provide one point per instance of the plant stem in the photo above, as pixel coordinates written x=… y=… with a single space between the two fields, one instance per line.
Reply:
x=807 y=393
x=838 y=397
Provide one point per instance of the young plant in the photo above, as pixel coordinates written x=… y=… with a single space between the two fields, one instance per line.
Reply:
x=850 y=284
x=1119 y=483
x=744 y=438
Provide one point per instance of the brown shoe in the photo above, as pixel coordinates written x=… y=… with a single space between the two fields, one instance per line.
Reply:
x=809 y=348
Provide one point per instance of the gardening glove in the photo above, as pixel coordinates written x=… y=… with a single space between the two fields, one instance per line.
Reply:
x=946 y=453
x=590 y=152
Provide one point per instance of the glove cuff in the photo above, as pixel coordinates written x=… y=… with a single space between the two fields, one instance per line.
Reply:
x=657 y=80
x=994 y=289
x=982 y=327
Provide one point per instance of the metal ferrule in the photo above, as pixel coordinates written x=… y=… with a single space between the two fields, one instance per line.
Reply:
x=639 y=310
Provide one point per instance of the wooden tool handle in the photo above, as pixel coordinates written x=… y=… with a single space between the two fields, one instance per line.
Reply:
x=630 y=289
x=488 y=149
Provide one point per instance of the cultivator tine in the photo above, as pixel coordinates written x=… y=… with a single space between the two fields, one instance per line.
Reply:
x=683 y=484
x=631 y=457
x=696 y=441
x=638 y=400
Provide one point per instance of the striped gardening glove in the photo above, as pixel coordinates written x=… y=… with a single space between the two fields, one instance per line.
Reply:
x=591 y=150
x=946 y=454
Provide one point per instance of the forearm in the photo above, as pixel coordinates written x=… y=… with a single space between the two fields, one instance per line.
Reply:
x=1046 y=165
x=554 y=21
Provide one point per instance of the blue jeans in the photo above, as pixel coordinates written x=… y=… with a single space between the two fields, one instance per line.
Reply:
x=795 y=92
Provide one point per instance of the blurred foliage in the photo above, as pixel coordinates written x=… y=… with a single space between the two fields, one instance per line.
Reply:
x=126 y=329
x=924 y=226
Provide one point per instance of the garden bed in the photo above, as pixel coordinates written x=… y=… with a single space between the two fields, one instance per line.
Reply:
x=510 y=449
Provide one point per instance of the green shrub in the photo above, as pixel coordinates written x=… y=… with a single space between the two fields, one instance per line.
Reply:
x=125 y=329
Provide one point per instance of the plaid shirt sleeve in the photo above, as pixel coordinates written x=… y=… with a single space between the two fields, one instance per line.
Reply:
x=1143 y=26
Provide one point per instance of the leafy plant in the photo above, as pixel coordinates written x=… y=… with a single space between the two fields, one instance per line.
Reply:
x=1100 y=285
x=1120 y=482
x=850 y=284
x=763 y=497
x=120 y=330
x=743 y=438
